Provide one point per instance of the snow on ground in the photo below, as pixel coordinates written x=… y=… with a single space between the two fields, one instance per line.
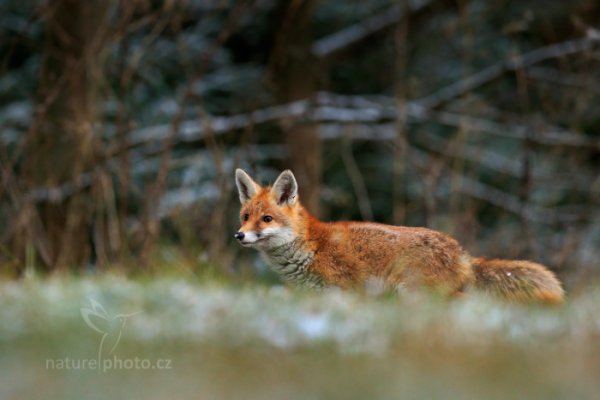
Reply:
x=282 y=317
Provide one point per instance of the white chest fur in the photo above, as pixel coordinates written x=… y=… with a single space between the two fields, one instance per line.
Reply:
x=292 y=262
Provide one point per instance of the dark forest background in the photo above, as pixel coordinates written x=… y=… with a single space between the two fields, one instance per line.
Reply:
x=121 y=123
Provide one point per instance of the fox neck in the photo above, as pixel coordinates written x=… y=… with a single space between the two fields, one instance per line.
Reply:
x=292 y=260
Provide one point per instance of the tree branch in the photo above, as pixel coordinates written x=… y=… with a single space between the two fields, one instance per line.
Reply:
x=360 y=31
x=498 y=197
x=511 y=64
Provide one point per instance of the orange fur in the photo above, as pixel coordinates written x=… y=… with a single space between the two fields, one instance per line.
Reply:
x=304 y=250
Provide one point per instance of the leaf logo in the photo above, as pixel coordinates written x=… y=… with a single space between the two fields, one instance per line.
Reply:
x=110 y=327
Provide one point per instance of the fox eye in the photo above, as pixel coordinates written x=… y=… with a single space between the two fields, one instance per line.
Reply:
x=267 y=218
x=246 y=216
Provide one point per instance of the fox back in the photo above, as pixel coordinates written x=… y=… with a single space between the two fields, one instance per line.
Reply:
x=306 y=251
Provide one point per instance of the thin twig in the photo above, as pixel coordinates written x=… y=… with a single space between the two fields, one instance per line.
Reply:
x=360 y=31
x=358 y=182
x=511 y=64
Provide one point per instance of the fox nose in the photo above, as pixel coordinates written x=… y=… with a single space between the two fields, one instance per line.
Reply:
x=239 y=235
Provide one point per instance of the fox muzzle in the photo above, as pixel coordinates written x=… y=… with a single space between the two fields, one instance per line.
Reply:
x=239 y=235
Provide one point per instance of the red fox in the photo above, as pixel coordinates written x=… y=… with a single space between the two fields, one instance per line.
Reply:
x=306 y=251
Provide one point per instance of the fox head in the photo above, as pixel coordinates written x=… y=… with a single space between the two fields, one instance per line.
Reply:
x=269 y=215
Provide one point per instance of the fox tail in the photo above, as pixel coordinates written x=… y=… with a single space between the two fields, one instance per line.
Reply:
x=517 y=280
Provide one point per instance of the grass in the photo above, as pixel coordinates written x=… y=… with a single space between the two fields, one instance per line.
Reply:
x=224 y=340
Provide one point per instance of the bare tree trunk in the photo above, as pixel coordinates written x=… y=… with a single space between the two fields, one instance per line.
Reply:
x=62 y=144
x=294 y=76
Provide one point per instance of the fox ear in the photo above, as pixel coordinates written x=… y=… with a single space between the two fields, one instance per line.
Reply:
x=285 y=188
x=247 y=188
